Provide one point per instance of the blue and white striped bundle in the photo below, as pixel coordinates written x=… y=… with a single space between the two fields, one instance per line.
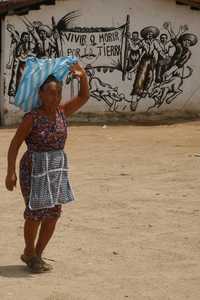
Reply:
x=35 y=73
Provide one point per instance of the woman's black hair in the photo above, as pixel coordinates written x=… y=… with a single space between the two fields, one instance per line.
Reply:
x=50 y=78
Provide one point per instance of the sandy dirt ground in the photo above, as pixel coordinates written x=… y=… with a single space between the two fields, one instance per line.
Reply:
x=133 y=231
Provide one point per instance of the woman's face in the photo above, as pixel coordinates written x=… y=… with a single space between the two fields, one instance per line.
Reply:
x=51 y=94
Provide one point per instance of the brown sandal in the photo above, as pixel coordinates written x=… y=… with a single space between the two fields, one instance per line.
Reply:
x=36 y=264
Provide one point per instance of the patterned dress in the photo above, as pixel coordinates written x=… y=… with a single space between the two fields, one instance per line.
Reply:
x=45 y=136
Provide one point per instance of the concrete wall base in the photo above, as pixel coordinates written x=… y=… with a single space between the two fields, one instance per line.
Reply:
x=130 y=118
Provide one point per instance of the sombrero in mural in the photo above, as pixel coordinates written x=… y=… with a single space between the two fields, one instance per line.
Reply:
x=189 y=37
x=46 y=29
x=154 y=30
x=35 y=73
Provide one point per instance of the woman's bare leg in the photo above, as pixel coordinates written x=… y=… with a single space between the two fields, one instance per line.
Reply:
x=46 y=231
x=30 y=233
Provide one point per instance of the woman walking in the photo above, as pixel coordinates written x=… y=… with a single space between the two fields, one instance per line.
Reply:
x=43 y=168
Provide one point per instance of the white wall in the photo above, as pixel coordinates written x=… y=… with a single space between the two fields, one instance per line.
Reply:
x=169 y=95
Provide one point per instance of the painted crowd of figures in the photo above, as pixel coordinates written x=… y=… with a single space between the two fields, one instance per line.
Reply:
x=159 y=63
x=156 y=62
x=39 y=40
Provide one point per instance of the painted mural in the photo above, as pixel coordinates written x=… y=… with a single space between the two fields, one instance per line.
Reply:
x=151 y=64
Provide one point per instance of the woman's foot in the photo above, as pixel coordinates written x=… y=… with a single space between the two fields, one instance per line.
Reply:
x=47 y=266
x=36 y=264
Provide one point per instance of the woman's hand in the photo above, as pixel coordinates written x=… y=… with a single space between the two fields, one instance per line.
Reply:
x=11 y=181
x=77 y=71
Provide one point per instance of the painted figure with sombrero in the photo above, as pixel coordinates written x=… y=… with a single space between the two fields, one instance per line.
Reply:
x=44 y=43
x=145 y=71
x=182 y=43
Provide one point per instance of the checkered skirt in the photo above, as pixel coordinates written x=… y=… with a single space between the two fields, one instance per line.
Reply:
x=49 y=180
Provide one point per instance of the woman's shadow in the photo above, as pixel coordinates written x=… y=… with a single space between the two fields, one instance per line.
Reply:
x=14 y=271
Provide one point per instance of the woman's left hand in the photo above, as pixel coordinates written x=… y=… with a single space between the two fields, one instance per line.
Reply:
x=77 y=71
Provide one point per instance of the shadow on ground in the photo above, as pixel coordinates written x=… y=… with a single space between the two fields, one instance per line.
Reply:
x=14 y=271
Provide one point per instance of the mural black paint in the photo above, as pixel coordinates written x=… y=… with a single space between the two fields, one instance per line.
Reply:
x=153 y=62
x=159 y=63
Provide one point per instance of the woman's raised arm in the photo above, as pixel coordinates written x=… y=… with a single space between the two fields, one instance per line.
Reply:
x=76 y=102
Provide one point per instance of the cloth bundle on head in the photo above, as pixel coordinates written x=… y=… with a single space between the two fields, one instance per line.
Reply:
x=35 y=73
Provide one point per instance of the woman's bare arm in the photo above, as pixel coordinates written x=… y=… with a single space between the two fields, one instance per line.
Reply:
x=20 y=135
x=76 y=102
